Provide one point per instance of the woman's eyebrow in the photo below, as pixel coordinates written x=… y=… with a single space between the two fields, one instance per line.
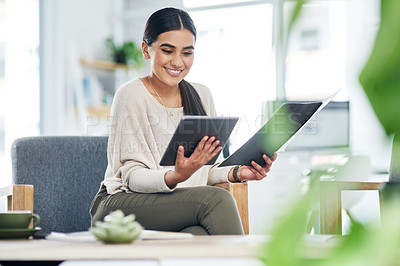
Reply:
x=174 y=47
x=168 y=45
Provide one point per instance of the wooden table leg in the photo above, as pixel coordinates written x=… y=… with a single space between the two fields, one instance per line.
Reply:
x=330 y=208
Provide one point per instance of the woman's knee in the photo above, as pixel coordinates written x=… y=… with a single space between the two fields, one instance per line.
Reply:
x=205 y=195
x=195 y=230
x=213 y=198
x=220 y=195
x=220 y=215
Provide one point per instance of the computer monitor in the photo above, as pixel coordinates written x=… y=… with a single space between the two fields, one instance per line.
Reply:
x=329 y=129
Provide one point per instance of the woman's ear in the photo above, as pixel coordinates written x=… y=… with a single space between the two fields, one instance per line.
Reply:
x=145 y=50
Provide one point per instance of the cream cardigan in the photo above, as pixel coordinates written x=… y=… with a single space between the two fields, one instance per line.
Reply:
x=140 y=132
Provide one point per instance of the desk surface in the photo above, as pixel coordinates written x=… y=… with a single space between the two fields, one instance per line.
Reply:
x=198 y=246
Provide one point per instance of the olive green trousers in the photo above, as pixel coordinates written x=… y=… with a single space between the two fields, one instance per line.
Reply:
x=198 y=210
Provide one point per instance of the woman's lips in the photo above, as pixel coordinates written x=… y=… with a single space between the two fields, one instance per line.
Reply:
x=173 y=72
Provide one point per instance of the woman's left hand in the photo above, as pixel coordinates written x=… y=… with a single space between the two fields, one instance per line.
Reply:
x=256 y=172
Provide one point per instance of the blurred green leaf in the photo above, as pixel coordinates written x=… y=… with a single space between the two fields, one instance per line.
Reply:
x=283 y=249
x=380 y=77
x=296 y=12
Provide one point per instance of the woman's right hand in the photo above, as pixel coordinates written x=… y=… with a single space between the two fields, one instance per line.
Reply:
x=207 y=149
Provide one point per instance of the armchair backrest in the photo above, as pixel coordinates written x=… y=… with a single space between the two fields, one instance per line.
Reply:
x=66 y=172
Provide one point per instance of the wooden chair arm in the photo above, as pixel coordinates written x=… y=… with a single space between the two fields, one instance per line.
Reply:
x=19 y=197
x=239 y=192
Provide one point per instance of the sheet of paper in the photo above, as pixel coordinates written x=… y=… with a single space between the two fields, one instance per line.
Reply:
x=86 y=236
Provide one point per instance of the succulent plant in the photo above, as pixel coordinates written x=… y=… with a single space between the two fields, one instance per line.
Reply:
x=117 y=228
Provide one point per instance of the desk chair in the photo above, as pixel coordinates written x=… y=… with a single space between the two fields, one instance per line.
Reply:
x=58 y=176
x=331 y=190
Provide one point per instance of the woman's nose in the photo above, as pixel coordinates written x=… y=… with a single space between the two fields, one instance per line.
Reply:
x=176 y=60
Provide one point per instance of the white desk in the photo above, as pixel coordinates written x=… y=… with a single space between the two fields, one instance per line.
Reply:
x=196 y=247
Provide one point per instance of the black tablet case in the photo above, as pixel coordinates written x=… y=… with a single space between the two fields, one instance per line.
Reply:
x=282 y=125
x=191 y=129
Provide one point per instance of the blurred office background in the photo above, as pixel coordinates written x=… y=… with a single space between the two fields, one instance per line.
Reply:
x=55 y=78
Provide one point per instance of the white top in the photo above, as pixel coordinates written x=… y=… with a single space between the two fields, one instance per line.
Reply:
x=140 y=132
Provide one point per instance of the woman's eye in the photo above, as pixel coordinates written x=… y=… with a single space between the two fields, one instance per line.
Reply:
x=167 y=51
x=187 y=53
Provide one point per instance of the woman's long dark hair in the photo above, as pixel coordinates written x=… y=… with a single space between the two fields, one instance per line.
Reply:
x=169 y=19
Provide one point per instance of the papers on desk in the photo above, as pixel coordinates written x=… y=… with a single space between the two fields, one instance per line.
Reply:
x=87 y=237
x=84 y=236
x=152 y=235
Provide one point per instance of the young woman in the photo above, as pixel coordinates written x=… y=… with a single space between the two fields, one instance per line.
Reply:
x=145 y=113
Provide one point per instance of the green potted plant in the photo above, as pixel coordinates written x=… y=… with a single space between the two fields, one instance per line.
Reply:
x=127 y=53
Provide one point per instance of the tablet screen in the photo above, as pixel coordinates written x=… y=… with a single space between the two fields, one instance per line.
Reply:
x=191 y=129
x=276 y=132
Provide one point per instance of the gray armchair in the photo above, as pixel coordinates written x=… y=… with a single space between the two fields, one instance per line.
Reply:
x=65 y=173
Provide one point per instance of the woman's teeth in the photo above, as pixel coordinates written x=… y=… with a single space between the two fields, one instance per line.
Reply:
x=173 y=71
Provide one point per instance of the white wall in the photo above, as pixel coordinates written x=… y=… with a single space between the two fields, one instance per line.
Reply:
x=69 y=30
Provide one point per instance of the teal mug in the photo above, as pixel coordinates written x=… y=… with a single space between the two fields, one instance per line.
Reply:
x=18 y=219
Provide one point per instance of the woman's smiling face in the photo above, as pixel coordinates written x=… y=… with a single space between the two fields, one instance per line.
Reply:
x=171 y=56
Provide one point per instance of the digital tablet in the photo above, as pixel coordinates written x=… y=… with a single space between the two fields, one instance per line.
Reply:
x=191 y=129
x=276 y=133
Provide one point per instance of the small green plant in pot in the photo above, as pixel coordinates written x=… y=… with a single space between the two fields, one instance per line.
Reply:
x=127 y=53
x=117 y=228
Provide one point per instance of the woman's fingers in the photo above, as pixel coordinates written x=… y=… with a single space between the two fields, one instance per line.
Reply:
x=258 y=167
x=267 y=160
x=214 y=145
x=214 y=153
x=181 y=152
x=211 y=149
x=256 y=171
x=202 y=142
x=274 y=157
x=180 y=155
x=209 y=143
x=207 y=148
x=260 y=170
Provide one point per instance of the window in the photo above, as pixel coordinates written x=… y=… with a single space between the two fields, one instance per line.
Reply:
x=233 y=57
x=316 y=60
x=2 y=76
x=19 y=76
